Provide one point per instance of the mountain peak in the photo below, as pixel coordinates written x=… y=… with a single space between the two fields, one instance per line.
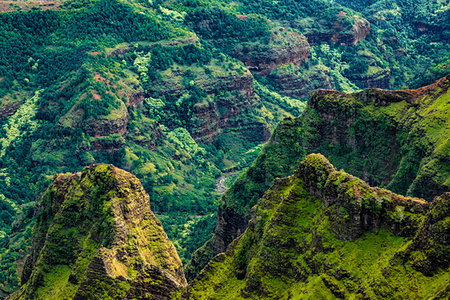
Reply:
x=323 y=233
x=96 y=235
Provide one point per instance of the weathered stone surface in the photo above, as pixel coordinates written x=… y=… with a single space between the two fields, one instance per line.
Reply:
x=324 y=233
x=114 y=123
x=380 y=80
x=338 y=120
x=301 y=85
x=97 y=226
x=430 y=248
x=341 y=34
x=284 y=48
x=353 y=206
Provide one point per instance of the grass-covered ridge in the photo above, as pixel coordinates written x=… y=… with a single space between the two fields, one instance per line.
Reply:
x=301 y=242
x=166 y=90
x=393 y=139
x=96 y=235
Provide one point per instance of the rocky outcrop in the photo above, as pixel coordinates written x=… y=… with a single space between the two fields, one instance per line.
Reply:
x=285 y=47
x=379 y=79
x=116 y=122
x=215 y=117
x=341 y=34
x=240 y=83
x=361 y=29
x=324 y=233
x=300 y=85
x=372 y=133
x=429 y=251
x=8 y=107
x=229 y=98
x=354 y=207
x=171 y=83
x=108 y=144
x=95 y=236
x=403 y=116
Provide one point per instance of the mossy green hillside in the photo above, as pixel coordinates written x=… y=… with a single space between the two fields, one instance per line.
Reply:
x=395 y=139
x=154 y=100
x=98 y=63
x=96 y=235
x=292 y=247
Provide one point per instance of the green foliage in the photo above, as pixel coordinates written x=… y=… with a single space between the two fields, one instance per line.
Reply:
x=188 y=232
x=293 y=106
x=223 y=27
x=20 y=123
x=94 y=61
x=290 y=250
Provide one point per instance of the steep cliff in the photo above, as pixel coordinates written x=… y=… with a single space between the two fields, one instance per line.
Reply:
x=342 y=31
x=322 y=233
x=378 y=79
x=285 y=47
x=396 y=139
x=96 y=237
x=301 y=84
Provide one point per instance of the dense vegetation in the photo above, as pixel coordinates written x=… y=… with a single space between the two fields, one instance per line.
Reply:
x=101 y=214
x=304 y=240
x=392 y=139
x=164 y=89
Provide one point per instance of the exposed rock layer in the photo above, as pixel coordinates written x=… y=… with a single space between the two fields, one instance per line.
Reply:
x=96 y=236
x=284 y=48
x=374 y=134
x=312 y=235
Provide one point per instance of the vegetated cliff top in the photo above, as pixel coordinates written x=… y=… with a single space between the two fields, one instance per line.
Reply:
x=322 y=233
x=95 y=236
x=401 y=136
x=394 y=139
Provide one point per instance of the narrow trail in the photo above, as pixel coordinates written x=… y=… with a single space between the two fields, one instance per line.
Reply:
x=220 y=182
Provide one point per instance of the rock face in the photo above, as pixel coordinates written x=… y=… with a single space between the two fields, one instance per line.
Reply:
x=361 y=29
x=284 y=48
x=229 y=100
x=393 y=138
x=301 y=85
x=224 y=113
x=353 y=206
x=96 y=237
x=379 y=79
x=430 y=248
x=340 y=33
x=114 y=123
x=322 y=233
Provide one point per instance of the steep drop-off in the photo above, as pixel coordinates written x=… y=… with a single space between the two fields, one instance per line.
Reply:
x=322 y=233
x=96 y=237
x=395 y=139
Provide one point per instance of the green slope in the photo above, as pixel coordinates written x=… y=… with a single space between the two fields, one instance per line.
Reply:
x=167 y=90
x=394 y=139
x=96 y=237
x=322 y=233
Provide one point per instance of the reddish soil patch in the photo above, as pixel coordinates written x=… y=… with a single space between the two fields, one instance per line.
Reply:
x=94 y=53
x=83 y=96
x=63 y=86
x=1 y=79
x=242 y=17
x=100 y=78
x=8 y=6
x=96 y=96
